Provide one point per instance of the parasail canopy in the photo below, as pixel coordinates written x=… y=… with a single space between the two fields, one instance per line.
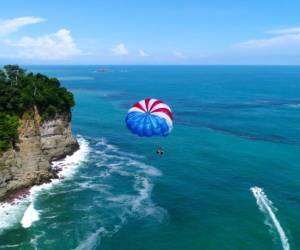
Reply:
x=150 y=117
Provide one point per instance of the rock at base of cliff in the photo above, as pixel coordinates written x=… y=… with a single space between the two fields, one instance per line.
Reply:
x=39 y=143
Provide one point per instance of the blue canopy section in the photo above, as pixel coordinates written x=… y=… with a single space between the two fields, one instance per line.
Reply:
x=146 y=124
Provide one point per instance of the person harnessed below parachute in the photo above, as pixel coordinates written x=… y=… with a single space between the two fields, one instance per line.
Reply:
x=159 y=151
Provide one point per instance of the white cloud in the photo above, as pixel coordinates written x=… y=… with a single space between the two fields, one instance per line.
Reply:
x=9 y=26
x=276 y=41
x=143 y=53
x=281 y=38
x=120 y=49
x=179 y=55
x=58 y=45
x=286 y=31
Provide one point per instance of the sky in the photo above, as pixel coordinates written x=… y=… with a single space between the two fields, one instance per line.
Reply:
x=152 y=32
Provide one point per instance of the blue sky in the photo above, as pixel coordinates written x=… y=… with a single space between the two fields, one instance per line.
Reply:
x=150 y=32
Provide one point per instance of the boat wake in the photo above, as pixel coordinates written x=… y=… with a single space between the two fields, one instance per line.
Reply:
x=265 y=205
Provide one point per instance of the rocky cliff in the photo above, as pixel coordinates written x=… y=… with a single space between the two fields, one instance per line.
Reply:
x=28 y=162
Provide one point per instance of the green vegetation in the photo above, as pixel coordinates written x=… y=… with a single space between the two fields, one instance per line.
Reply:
x=20 y=92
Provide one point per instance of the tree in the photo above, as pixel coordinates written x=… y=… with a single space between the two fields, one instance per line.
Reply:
x=14 y=72
x=20 y=92
x=2 y=76
x=8 y=130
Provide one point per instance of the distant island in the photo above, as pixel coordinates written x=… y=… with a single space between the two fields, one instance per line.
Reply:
x=35 y=128
x=103 y=70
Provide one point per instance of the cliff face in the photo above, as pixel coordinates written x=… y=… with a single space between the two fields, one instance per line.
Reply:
x=28 y=162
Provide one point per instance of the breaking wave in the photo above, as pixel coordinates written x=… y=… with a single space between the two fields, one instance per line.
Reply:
x=23 y=210
x=123 y=186
x=115 y=188
x=266 y=206
x=31 y=215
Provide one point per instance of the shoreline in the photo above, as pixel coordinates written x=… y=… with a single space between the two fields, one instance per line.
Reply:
x=15 y=196
x=19 y=207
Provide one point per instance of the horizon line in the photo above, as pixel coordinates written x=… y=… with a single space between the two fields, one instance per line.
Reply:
x=158 y=65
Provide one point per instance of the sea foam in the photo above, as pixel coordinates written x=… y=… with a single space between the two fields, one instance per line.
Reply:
x=91 y=241
x=23 y=210
x=117 y=206
x=31 y=215
x=116 y=162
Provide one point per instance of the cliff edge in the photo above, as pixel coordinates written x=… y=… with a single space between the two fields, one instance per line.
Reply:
x=28 y=162
x=35 y=128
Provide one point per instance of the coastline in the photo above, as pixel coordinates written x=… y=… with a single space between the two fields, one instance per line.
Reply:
x=24 y=192
x=29 y=162
x=19 y=207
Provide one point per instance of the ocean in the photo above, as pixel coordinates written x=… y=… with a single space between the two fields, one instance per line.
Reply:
x=229 y=178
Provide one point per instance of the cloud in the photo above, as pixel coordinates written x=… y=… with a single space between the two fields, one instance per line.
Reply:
x=143 y=53
x=281 y=38
x=120 y=49
x=58 y=45
x=276 y=41
x=9 y=26
x=179 y=55
x=286 y=31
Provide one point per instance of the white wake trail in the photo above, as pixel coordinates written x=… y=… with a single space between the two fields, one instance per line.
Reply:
x=265 y=205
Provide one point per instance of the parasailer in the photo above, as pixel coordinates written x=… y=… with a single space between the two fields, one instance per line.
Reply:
x=150 y=117
x=159 y=151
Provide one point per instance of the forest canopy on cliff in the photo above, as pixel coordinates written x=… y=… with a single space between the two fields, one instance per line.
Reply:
x=20 y=92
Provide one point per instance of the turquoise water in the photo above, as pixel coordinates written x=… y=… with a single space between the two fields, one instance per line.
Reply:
x=235 y=127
